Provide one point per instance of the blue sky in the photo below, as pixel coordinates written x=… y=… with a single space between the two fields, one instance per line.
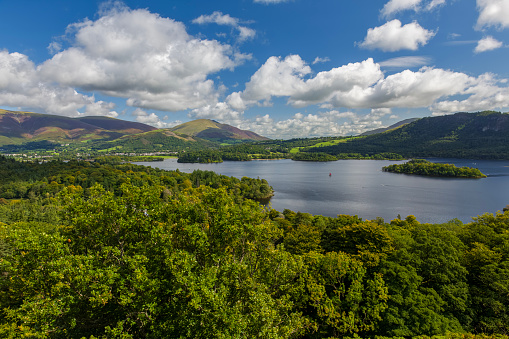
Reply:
x=281 y=68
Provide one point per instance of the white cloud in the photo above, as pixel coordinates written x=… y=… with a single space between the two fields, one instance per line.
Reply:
x=54 y=47
x=219 y=18
x=362 y=85
x=354 y=86
x=21 y=86
x=487 y=44
x=406 y=62
x=151 y=119
x=101 y=108
x=246 y=33
x=138 y=55
x=275 y=78
x=319 y=60
x=380 y=112
x=330 y=123
x=493 y=13
x=395 y=6
x=392 y=37
x=484 y=94
x=434 y=4
x=220 y=111
x=407 y=89
x=286 y=78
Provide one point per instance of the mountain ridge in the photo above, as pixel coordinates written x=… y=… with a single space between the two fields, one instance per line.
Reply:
x=461 y=135
x=18 y=127
x=210 y=129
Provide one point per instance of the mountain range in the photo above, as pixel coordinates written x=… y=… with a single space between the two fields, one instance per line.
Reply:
x=476 y=135
x=22 y=127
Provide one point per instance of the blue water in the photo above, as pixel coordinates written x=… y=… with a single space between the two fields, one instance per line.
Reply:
x=359 y=187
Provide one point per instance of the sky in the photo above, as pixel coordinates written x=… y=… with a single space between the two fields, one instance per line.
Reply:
x=281 y=68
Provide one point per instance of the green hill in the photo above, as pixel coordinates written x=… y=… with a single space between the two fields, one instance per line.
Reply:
x=482 y=135
x=394 y=126
x=157 y=140
x=212 y=130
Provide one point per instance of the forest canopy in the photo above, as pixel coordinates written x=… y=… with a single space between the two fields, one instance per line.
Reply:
x=91 y=250
x=428 y=168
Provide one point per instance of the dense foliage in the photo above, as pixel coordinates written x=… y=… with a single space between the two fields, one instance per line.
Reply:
x=427 y=168
x=204 y=157
x=483 y=135
x=28 y=180
x=124 y=251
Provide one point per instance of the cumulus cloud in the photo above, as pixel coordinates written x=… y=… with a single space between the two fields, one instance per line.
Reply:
x=493 y=13
x=287 y=78
x=406 y=62
x=392 y=37
x=407 y=89
x=359 y=85
x=395 y=6
x=275 y=78
x=151 y=119
x=220 y=111
x=101 y=108
x=329 y=123
x=485 y=94
x=362 y=85
x=21 y=85
x=487 y=44
x=150 y=60
x=219 y=18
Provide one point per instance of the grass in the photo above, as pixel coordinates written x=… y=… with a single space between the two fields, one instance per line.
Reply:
x=194 y=127
x=323 y=144
x=114 y=148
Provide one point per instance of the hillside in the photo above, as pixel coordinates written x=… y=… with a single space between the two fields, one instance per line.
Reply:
x=21 y=127
x=391 y=127
x=31 y=131
x=212 y=130
x=154 y=141
x=482 y=135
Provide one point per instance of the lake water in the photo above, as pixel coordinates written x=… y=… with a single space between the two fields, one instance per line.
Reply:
x=359 y=187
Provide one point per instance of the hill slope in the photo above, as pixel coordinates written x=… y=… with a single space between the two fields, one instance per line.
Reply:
x=156 y=140
x=20 y=127
x=391 y=127
x=483 y=135
x=212 y=130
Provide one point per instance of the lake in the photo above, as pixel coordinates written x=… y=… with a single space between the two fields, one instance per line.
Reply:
x=359 y=187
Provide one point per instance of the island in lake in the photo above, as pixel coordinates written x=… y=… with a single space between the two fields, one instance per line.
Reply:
x=428 y=168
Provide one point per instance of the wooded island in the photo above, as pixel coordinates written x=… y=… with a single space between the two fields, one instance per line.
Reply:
x=428 y=168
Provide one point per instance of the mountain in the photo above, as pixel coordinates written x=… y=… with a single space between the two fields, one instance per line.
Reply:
x=482 y=135
x=391 y=127
x=21 y=127
x=157 y=140
x=212 y=130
